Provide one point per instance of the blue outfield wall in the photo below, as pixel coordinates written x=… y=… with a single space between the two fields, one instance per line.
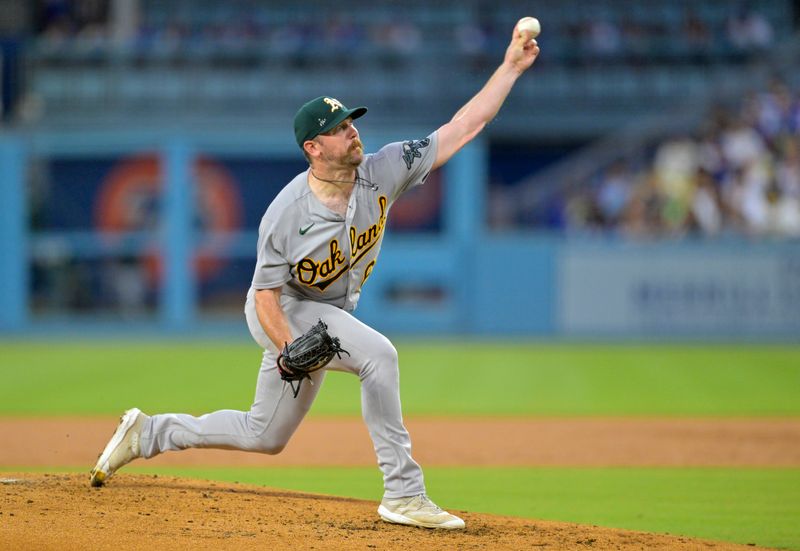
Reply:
x=460 y=279
x=514 y=291
x=494 y=286
x=691 y=289
x=529 y=285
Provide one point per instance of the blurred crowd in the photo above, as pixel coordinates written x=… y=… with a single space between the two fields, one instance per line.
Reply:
x=739 y=174
x=689 y=36
x=77 y=28
x=606 y=31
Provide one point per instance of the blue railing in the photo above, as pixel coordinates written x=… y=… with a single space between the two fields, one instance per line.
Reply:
x=437 y=257
x=461 y=279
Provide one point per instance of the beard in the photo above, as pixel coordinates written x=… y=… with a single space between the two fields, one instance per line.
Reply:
x=356 y=152
x=352 y=158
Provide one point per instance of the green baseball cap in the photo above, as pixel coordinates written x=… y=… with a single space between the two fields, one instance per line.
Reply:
x=321 y=115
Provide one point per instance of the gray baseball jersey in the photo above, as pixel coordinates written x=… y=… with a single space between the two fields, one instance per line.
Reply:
x=321 y=260
x=319 y=255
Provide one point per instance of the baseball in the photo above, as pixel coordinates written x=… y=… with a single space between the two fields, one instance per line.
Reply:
x=530 y=24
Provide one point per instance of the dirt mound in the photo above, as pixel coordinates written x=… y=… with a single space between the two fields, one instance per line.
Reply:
x=61 y=511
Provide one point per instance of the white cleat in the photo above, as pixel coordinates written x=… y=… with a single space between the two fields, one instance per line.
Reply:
x=418 y=510
x=121 y=449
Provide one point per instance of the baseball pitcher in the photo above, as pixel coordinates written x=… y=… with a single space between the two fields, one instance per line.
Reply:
x=317 y=246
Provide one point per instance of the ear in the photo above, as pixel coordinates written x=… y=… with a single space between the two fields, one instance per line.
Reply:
x=311 y=148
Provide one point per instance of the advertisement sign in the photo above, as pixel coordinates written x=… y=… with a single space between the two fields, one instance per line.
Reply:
x=679 y=289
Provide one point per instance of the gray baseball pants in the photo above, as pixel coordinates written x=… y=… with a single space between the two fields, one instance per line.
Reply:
x=275 y=414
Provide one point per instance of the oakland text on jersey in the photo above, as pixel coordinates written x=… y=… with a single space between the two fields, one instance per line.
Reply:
x=322 y=273
x=367 y=272
x=309 y=270
x=361 y=243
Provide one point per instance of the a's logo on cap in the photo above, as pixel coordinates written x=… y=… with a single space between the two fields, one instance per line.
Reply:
x=334 y=103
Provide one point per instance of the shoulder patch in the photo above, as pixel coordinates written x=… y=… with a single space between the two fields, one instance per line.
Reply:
x=411 y=150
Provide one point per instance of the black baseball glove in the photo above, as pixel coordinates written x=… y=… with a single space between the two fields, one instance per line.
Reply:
x=306 y=354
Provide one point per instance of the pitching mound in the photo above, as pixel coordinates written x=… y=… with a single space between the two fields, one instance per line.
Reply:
x=61 y=512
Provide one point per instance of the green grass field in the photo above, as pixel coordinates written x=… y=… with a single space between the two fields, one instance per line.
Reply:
x=478 y=379
x=437 y=379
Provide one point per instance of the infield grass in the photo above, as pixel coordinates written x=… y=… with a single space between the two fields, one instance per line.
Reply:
x=462 y=379
x=739 y=505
